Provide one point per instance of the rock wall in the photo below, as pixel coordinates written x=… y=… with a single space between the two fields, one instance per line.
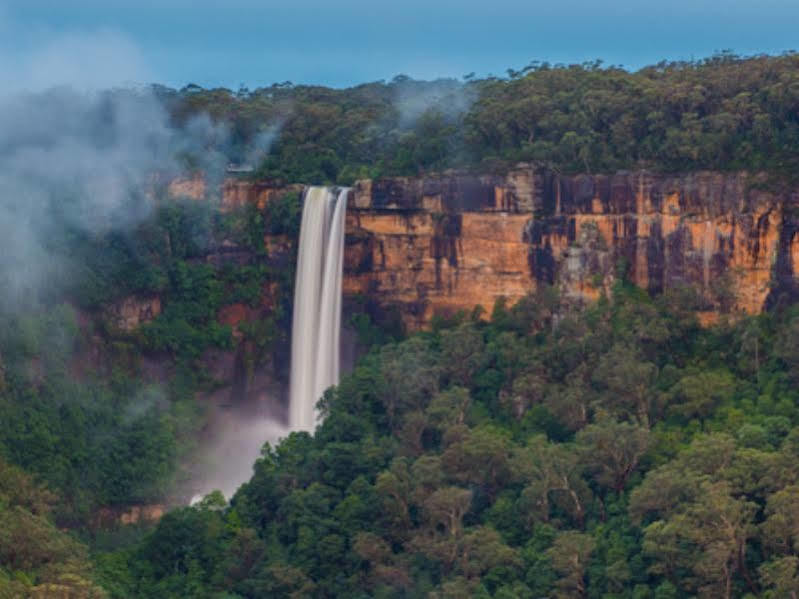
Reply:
x=443 y=243
x=135 y=514
x=231 y=194
x=447 y=242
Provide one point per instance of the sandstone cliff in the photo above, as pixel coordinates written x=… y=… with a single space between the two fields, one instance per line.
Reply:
x=453 y=241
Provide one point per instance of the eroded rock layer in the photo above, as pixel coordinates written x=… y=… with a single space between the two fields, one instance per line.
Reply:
x=449 y=242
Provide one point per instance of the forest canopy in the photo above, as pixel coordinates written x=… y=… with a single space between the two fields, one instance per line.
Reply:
x=619 y=451
x=725 y=112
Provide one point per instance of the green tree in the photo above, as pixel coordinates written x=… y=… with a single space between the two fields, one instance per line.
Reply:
x=570 y=555
x=612 y=451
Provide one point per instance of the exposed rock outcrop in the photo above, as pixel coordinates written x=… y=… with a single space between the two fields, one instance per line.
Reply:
x=131 y=312
x=135 y=514
x=233 y=192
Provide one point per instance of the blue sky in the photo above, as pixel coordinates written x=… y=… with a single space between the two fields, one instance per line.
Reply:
x=344 y=42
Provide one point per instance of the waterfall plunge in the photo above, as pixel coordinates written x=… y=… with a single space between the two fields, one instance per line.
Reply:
x=316 y=326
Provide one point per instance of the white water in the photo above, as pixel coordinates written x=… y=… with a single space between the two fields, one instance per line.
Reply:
x=229 y=456
x=316 y=328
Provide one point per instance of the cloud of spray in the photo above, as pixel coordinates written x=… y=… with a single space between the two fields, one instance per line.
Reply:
x=447 y=97
x=80 y=160
x=229 y=457
x=77 y=154
x=87 y=159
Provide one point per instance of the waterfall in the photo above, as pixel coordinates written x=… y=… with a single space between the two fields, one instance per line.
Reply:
x=316 y=325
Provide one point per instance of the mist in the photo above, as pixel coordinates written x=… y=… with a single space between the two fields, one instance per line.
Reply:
x=449 y=98
x=85 y=147
x=226 y=459
x=76 y=160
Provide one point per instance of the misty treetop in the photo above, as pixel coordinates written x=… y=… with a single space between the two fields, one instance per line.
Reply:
x=79 y=165
x=724 y=112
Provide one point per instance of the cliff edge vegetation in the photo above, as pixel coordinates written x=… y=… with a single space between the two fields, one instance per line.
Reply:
x=725 y=112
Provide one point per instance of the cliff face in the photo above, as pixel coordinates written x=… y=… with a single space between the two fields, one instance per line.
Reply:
x=449 y=242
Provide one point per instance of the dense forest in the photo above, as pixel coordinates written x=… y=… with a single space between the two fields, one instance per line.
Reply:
x=619 y=451
x=725 y=112
x=615 y=451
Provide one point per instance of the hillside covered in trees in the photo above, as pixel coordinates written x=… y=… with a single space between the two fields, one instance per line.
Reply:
x=620 y=452
x=615 y=451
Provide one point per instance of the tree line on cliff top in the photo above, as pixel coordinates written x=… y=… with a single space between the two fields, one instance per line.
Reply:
x=724 y=112
x=616 y=452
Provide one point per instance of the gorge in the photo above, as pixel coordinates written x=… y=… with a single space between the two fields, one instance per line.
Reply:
x=449 y=242
x=445 y=243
